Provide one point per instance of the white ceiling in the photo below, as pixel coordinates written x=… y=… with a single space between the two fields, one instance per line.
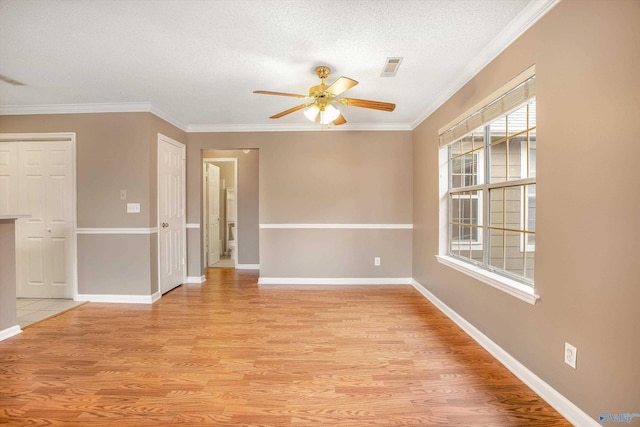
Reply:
x=196 y=62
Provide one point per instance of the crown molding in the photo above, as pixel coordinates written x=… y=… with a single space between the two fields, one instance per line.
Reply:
x=147 y=107
x=168 y=118
x=305 y=127
x=521 y=23
x=120 y=107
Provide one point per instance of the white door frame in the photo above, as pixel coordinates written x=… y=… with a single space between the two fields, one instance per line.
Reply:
x=208 y=218
x=164 y=138
x=205 y=207
x=57 y=137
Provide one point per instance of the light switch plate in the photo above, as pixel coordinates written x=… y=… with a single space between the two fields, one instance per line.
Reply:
x=123 y=194
x=570 y=355
x=133 y=207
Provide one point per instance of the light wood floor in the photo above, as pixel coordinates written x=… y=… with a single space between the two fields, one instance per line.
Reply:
x=228 y=353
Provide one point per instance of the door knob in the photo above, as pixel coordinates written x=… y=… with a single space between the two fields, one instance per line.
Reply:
x=165 y=225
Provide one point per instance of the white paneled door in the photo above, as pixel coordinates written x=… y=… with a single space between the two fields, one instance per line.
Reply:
x=37 y=179
x=8 y=178
x=171 y=213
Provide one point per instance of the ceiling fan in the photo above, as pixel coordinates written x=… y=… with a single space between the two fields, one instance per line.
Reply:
x=324 y=98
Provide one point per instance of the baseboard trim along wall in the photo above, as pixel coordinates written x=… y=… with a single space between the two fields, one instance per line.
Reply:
x=248 y=267
x=128 y=299
x=10 y=332
x=337 y=281
x=196 y=279
x=570 y=411
x=342 y=226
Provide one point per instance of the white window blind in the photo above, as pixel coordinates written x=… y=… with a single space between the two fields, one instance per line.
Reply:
x=512 y=95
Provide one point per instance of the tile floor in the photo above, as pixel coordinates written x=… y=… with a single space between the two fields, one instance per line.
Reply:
x=225 y=262
x=31 y=310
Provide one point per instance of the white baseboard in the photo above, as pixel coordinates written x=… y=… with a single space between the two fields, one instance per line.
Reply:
x=341 y=226
x=334 y=281
x=196 y=279
x=10 y=332
x=156 y=296
x=128 y=299
x=248 y=267
x=564 y=406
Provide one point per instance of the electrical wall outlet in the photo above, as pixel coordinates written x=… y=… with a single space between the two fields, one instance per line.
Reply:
x=570 y=355
x=133 y=207
x=376 y=261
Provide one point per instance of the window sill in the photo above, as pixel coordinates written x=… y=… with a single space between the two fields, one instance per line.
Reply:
x=511 y=287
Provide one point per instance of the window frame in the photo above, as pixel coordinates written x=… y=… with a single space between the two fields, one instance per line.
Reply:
x=475 y=244
x=525 y=246
x=511 y=283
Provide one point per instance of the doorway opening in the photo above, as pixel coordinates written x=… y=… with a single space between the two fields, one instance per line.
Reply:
x=220 y=208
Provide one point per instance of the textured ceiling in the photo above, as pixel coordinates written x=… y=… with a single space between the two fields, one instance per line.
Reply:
x=196 y=63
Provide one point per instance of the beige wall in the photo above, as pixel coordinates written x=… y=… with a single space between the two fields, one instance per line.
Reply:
x=115 y=151
x=587 y=59
x=116 y=264
x=8 y=316
x=226 y=171
x=321 y=253
x=337 y=177
x=112 y=153
x=318 y=177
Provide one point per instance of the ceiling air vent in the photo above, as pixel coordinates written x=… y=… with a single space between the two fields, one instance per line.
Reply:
x=11 y=81
x=391 y=67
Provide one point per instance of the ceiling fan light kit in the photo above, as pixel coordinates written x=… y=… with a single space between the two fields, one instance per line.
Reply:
x=323 y=114
x=323 y=100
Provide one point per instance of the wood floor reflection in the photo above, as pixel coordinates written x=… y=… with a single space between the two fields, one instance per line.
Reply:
x=229 y=353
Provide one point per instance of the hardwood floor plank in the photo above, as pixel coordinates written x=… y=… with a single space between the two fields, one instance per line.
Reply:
x=229 y=353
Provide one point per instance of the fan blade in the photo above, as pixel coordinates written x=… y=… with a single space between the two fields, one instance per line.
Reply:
x=340 y=120
x=375 y=105
x=266 y=92
x=341 y=85
x=290 y=110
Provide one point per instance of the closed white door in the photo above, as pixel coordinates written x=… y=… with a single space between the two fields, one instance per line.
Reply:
x=8 y=178
x=213 y=185
x=44 y=242
x=171 y=213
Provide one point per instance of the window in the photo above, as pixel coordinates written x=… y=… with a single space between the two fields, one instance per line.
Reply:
x=491 y=191
x=511 y=189
x=466 y=166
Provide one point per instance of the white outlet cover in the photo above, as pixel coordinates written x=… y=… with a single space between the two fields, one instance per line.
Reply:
x=133 y=207
x=570 y=355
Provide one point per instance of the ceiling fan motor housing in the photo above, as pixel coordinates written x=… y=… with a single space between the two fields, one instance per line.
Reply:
x=320 y=92
x=323 y=72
